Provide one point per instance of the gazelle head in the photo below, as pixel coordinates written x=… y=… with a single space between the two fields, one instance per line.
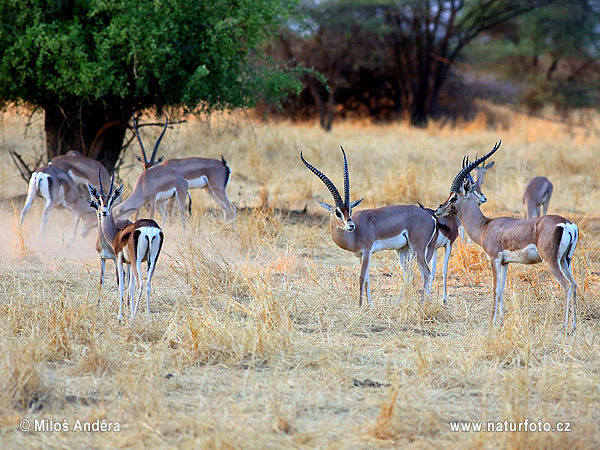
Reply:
x=464 y=188
x=101 y=201
x=480 y=171
x=341 y=212
x=144 y=160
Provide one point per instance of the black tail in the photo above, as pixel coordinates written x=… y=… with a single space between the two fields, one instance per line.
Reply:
x=190 y=204
x=228 y=171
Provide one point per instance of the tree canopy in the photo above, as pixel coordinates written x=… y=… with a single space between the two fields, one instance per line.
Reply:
x=90 y=64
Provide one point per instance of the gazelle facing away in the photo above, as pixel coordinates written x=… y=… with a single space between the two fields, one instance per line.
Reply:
x=59 y=191
x=103 y=246
x=403 y=228
x=551 y=239
x=133 y=244
x=155 y=185
x=82 y=169
x=205 y=173
x=536 y=197
x=447 y=232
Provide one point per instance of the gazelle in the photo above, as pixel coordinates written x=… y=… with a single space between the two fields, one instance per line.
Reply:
x=447 y=232
x=403 y=228
x=155 y=185
x=205 y=173
x=536 y=197
x=81 y=169
x=480 y=172
x=104 y=247
x=133 y=244
x=551 y=239
x=59 y=191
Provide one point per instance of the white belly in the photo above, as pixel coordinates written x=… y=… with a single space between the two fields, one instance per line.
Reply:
x=527 y=255
x=394 y=243
x=198 y=183
x=165 y=195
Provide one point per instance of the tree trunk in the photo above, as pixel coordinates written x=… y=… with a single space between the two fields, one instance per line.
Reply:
x=91 y=129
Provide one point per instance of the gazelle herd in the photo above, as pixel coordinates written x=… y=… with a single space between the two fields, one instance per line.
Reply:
x=410 y=230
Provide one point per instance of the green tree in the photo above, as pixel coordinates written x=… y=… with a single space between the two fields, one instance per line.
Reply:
x=90 y=64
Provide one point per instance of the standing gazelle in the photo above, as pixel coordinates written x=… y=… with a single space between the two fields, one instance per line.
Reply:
x=536 y=197
x=551 y=239
x=403 y=228
x=133 y=244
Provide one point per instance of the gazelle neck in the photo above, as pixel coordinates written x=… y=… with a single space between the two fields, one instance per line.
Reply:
x=109 y=227
x=342 y=238
x=473 y=220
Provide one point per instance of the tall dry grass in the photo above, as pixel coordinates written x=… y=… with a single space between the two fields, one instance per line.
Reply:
x=254 y=338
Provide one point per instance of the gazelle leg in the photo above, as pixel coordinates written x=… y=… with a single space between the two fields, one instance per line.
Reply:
x=406 y=264
x=31 y=194
x=121 y=284
x=74 y=233
x=496 y=269
x=557 y=269
x=363 y=281
x=45 y=214
x=447 y=252
x=566 y=266
x=433 y=266
x=425 y=274
x=545 y=206
x=501 y=284
x=102 y=269
x=181 y=205
x=131 y=272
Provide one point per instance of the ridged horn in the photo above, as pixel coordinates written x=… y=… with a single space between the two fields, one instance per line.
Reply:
x=346 y=180
x=155 y=149
x=100 y=182
x=332 y=189
x=460 y=177
x=139 y=139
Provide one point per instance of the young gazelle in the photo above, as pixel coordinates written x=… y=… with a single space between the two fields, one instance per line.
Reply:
x=403 y=228
x=536 y=197
x=133 y=244
x=59 y=191
x=447 y=232
x=104 y=247
x=156 y=185
x=551 y=239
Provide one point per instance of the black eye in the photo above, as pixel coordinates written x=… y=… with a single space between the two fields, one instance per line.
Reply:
x=338 y=213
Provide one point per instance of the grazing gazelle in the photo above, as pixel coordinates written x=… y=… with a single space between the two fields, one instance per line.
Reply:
x=59 y=191
x=82 y=169
x=205 y=173
x=155 y=185
x=447 y=232
x=403 y=228
x=104 y=247
x=551 y=239
x=133 y=244
x=536 y=197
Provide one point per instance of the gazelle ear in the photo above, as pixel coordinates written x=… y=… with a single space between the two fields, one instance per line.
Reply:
x=138 y=158
x=489 y=166
x=355 y=203
x=159 y=160
x=325 y=206
x=93 y=204
x=118 y=192
x=93 y=191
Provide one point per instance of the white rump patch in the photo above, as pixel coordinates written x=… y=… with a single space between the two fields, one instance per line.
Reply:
x=569 y=236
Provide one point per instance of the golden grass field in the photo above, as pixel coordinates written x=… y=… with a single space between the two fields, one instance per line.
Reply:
x=255 y=338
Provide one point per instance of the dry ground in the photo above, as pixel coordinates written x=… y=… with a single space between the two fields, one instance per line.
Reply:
x=254 y=338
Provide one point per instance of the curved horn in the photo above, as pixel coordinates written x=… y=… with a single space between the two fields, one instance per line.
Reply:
x=112 y=180
x=100 y=181
x=139 y=139
x=346 y=180
x=155 y=149
x=334 y=192
x=460 y=177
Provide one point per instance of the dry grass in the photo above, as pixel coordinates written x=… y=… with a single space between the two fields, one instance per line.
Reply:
x=255 y=339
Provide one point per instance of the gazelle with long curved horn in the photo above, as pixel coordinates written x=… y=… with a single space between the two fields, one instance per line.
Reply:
x=536 y=197
x=403 y=228
x=59 y=191
x=103 y=246
x=551 y=239
x=133 y=244
x=155 y=185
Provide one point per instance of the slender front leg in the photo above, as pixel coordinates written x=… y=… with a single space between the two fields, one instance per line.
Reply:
x=364 y=277
x=102 y=268
x=502 y=283
x=447 y=252
x=433 y=266
x=495 y=274
x=74 y=232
